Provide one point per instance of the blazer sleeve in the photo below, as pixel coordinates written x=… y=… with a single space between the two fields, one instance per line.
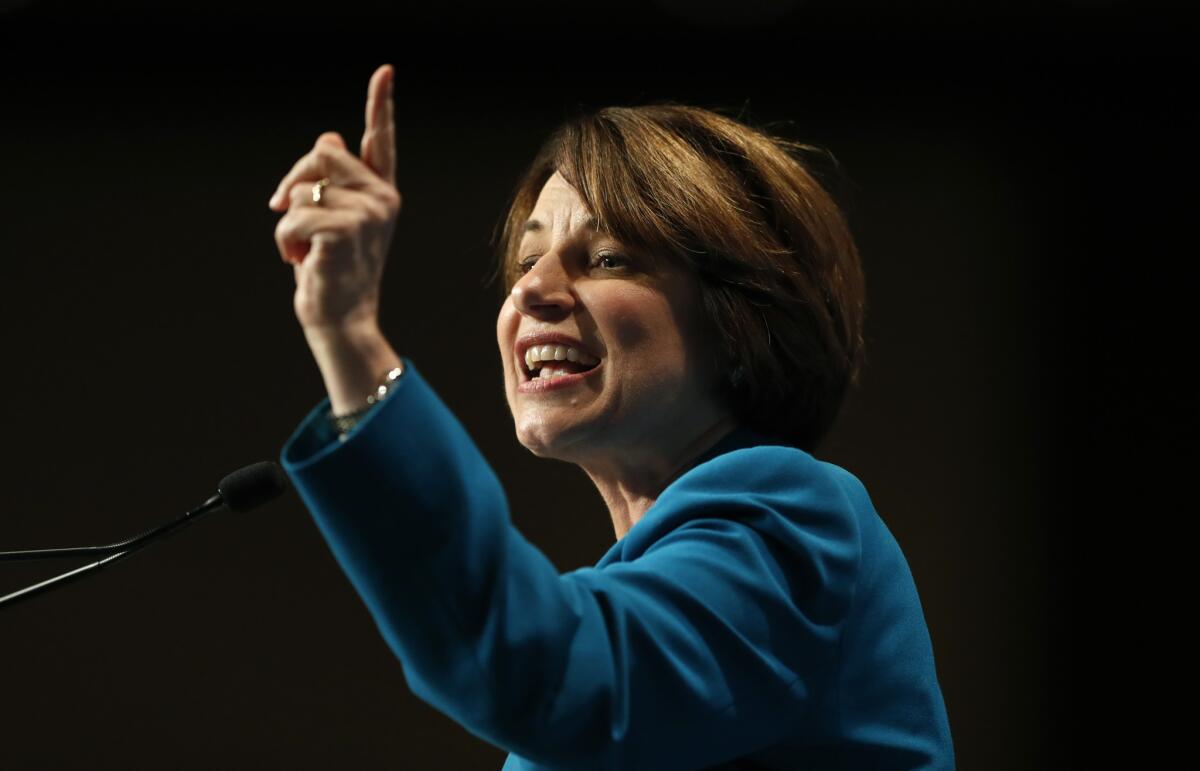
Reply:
x=711 y=643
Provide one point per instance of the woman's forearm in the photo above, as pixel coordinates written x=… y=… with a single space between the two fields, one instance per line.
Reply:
x=352 y=360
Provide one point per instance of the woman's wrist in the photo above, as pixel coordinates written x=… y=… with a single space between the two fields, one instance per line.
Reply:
x=352 y=359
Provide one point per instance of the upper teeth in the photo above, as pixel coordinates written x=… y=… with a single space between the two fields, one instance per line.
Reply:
x=537 y=353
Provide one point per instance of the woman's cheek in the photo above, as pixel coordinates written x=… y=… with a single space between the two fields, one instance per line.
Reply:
x=644 y=334
x=635 y=319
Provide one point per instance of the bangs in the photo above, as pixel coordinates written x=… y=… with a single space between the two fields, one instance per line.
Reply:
x=611 y=174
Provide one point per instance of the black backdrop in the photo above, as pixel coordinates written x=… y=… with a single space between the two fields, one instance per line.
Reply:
x=1019 y=181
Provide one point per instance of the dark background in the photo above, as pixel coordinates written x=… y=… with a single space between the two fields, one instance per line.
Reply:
x=1020 y=181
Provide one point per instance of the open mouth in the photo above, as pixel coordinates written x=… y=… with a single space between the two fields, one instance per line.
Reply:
x=552 y=370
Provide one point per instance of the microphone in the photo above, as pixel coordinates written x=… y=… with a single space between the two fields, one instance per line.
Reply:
x=244 y=489
x=252 y=486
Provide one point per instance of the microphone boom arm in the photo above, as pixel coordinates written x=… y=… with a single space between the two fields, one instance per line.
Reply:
x=50 y=583
x=242 y=490
x=215 y=502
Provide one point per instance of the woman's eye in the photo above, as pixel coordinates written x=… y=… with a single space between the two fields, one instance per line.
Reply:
x=610 y=260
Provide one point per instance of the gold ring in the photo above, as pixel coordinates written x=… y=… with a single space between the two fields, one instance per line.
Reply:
x=319 y=189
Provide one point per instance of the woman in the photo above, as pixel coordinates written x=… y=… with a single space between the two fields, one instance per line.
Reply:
x=682 y=319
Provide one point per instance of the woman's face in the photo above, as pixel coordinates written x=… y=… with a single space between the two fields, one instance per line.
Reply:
x=653 y=386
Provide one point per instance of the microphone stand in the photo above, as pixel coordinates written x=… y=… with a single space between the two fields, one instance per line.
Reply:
x=116 y=551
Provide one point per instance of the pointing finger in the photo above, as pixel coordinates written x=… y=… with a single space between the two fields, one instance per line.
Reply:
x=378 y=149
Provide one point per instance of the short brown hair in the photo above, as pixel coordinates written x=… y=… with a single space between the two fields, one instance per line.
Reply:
x=780 y=275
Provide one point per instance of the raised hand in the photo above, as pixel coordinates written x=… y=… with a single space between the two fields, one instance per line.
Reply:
x=338 y=246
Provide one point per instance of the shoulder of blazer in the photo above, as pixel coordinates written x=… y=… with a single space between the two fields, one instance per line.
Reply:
x=761 y=467
x=773 y=487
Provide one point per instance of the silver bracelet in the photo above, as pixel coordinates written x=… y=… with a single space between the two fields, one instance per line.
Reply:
x=343 y=423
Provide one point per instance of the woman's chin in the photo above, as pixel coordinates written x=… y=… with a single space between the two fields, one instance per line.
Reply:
x=537 y=440
x=543 y=439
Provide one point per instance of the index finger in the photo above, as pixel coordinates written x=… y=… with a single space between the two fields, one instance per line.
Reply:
x=378 y=149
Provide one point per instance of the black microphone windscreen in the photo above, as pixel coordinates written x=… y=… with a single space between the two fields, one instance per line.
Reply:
x=252 y=485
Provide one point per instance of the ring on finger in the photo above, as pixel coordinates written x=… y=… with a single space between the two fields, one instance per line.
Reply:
x=318 y=190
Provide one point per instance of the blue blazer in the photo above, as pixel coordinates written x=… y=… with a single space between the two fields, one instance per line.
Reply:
x=760 y=614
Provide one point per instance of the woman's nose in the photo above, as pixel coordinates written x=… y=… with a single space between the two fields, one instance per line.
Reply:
x=544 y=290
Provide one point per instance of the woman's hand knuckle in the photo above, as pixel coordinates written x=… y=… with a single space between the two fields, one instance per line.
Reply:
x=377 y=210
x=392 y=199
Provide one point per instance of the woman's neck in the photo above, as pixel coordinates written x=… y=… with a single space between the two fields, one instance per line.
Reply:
x=630 y=483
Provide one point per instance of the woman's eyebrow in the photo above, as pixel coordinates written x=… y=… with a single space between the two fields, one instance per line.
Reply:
x=536 y=225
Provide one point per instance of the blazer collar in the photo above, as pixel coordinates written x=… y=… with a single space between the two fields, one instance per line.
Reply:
x=738 y=438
